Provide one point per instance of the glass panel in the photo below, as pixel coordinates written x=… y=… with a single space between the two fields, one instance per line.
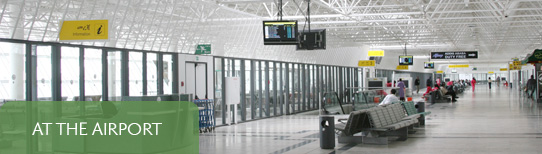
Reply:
x=168 y=74
x=135 y=62
x=44 y=73
x=218 y=90
x=248 y=102
x=93 y=74
x=152 y=74
x=69 y=67
x=114 y=75
x=13 y=78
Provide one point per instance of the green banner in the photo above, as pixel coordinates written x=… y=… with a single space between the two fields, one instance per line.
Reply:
x=128 y=127
x=203 y=49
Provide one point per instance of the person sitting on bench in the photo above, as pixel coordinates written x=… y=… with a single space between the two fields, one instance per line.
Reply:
x=390 y=98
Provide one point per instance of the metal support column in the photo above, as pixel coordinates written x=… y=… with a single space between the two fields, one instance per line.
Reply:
x=281 y=86
x=124 y=74
x=252 y=89
x=287 y=86
x=267 y=84
x=175 y=75
x=243 y=92
x=260 y=85
x=298 y=92
x=81 y=76
x=56 y=79
x=105 y=83
x=223 y=86
x=144 y=73
x=275 y=100
x=160 y=76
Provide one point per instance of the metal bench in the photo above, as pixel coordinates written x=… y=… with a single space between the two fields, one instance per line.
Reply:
x=353 y=125
x=410 y=109
x=385 y=121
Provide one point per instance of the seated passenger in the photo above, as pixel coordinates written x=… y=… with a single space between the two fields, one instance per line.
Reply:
x=390 y=98
x=388 y=84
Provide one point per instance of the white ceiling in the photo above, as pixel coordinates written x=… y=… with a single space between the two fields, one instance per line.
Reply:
x=499 y=29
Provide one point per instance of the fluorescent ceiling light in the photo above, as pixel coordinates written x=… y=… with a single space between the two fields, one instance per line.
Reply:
x=415 y=46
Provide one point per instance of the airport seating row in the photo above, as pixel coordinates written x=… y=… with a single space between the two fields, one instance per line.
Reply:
x=377 y=125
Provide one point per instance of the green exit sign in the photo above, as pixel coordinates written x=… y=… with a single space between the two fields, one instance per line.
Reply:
x=203 y=49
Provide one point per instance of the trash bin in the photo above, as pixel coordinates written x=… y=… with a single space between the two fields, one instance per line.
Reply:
x=420 y=107
x=432 y=97
x=327 y=132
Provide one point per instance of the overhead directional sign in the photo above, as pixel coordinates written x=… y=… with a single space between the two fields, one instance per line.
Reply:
x=455 y=55
x=376 y=53
x=84 y=30
x=402 y=67
x=440 y=72
x=458 y=66
x=490 y=72
x=366 y=63
x=203 y=49
x=504 y=69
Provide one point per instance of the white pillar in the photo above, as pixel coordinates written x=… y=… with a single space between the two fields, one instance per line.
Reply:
x=16 y=56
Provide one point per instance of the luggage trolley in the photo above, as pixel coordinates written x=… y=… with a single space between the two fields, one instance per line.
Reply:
x=206 y=115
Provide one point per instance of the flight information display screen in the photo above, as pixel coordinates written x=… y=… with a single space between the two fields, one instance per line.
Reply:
x=280 y=32
x=406 y=60
x=429 y=65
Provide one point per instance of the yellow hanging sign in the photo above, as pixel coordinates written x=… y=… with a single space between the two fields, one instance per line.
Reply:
x=458 y=66
x=517 y=63
x=366 y=63
x=376 y=53
x=84 y=30
x=440 y=72
x=504 y=69
x=402 y=67
x=490 y=72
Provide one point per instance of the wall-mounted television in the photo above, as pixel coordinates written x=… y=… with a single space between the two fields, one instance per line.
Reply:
x=406 y=60
x=280 y=33
x=429 y=65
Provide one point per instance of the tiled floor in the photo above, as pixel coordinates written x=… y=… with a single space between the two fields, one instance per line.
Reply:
x=484 y=121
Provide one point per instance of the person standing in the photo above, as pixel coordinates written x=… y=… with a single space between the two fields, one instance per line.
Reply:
x=473 y=83
x=498 y=80
x=489 y=82
x=401 y=86
x=428 y=84
x=417 y=83
x=531 y=85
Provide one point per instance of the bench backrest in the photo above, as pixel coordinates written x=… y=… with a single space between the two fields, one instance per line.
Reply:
x=410 y=108
x=352 y=121
x=381 y=116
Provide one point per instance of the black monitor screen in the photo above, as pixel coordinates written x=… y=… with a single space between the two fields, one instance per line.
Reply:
x=375 y=84
x=279 y=32
x=446 y=80
x=406 y=60
x=429 y=65
x=406 y=83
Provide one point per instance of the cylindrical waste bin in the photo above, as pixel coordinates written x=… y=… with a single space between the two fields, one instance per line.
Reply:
x=420 y=107
x=327 y=132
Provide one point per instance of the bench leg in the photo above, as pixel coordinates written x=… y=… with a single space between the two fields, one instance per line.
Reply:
x=350 y=139
x=402 y=133
x=375 y=138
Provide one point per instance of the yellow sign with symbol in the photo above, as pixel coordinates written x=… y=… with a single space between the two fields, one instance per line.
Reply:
x=84 y=30
x=402 y=67
x=440 y=72
x=490 y=72
x=458 y=66
x=517 y=63
x=504 y=69
x=376 y=53
x=366 y=63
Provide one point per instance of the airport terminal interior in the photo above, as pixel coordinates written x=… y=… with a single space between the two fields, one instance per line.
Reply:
x=287 y=76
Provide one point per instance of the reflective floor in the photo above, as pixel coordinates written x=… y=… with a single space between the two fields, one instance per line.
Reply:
x=499 y=120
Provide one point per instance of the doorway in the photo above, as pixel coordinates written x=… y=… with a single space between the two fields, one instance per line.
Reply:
x=196 y=79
